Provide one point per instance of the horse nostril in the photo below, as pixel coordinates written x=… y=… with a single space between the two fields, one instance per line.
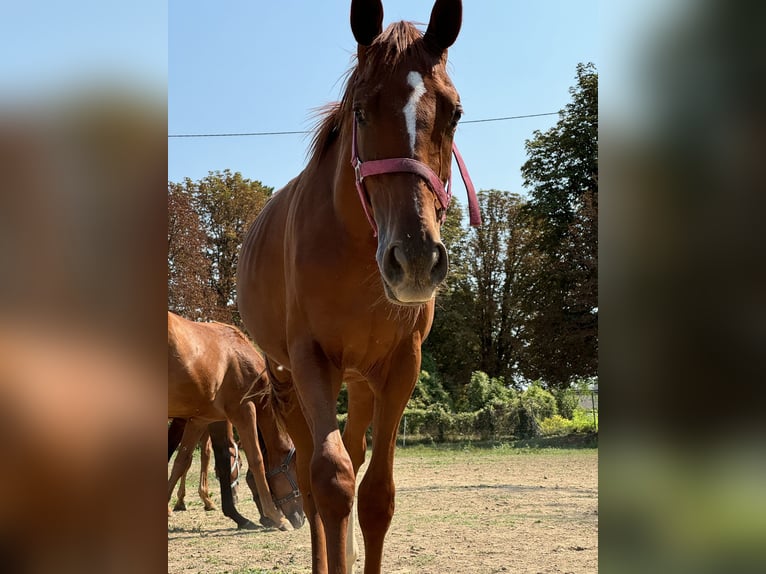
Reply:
x=394 y=263
x=440 y=263
x=397 y=257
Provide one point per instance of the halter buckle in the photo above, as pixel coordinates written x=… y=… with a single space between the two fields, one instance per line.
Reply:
x=357 y=170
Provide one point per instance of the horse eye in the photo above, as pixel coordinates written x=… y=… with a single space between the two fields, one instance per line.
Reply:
x=359 y=114
x=456 y=116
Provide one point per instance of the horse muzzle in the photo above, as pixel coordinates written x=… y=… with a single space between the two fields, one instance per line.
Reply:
x=412 y=272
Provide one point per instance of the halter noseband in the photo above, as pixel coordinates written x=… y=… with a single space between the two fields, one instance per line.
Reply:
x=409 y=165
x=283 y=469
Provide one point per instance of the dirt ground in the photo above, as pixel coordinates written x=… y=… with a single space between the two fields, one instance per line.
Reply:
x=469 y=510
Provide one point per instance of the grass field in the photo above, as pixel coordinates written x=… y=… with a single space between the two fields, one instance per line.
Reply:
x=460 y=509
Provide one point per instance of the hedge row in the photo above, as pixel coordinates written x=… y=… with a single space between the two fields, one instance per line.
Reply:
x=517 y=418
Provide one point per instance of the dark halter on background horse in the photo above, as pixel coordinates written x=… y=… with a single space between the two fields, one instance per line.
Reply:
x=409 y=165
x=284 y=468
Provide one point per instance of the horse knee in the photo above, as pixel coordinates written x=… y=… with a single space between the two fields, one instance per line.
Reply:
x=333 y=483
x=375 y=503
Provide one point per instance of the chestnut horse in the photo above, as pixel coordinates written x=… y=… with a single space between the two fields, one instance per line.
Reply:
x=190 y=440
x=183 y=436
x=337 y=275
x=215 y=374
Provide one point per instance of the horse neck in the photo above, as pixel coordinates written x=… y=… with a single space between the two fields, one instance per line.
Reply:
x=346 y=203
x=275 y=442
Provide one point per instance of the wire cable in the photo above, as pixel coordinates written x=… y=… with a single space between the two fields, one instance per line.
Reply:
x=286 y=133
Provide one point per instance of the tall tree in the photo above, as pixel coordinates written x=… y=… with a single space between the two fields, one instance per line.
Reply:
x=452 y=346
x=227 y=203
x=501 y=257
x=189 y=291
x=561 y=298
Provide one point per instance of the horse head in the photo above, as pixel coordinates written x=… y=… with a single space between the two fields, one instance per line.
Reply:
x=403 y=110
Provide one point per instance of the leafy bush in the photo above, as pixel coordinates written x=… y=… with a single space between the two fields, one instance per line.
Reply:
x=428 y=390
x=555 y=425
x=498 y=418
x=535 y=404
x=464 y=424
x=342 y=403
x=482 y=390
x=582 y=421
x=567 y=401
x=437 y=422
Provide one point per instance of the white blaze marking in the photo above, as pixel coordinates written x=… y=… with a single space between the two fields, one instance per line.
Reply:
x=415 y=80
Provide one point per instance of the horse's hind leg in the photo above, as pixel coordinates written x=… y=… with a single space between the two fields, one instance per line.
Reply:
x=183 y=460
x=181 y=494
x=218 y=437
x=175 y=433
x=203 y=490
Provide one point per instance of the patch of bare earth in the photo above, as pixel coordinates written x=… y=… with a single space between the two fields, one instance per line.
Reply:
x=474 y=511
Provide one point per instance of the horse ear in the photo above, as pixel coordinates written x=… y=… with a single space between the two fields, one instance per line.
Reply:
x=366 y=20
x=444 y=26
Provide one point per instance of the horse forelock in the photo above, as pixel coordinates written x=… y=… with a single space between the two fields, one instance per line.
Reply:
x=400 y=43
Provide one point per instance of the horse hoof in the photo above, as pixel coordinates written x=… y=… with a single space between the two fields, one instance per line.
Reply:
x=247 y=525
x=267 y=522
x=209 y=508
x=180 y=506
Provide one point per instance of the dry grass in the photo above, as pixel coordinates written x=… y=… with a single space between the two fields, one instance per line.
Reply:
x=474 y=510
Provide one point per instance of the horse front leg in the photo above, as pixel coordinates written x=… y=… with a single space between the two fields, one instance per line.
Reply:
x=220 y=442
x=377 y=491
x=360 y=409
x=317 y=383
x=244 y=418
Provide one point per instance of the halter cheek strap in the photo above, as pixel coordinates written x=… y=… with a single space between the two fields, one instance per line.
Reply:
x=408 y=165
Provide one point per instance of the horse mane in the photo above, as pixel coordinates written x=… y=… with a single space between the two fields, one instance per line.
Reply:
x=398 y=41
x=234 y=330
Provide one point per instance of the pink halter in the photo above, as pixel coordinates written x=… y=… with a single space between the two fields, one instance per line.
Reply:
x=406 y=164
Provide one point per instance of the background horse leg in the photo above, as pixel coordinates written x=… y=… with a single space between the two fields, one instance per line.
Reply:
x=360 y=408
x=245 y=420
x=175 y=432
x=218 y=437
x=190 y=437
x=204 y=465
x=181 y=494
x=250 y=479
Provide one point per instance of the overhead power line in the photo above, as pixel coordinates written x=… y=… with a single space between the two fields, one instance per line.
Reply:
x=286 y=133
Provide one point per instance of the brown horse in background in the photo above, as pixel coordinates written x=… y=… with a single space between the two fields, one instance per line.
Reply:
x=215 y=374
x=190 y=440
x=337 y=275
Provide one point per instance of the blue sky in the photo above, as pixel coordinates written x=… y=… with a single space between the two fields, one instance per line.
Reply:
x=264 y=66
x=48 y=46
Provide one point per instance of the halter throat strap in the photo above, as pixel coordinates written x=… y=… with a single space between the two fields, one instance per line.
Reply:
x=409 y=165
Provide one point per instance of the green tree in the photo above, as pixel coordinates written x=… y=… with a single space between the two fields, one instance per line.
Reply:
x=451 y=349
x=500 y=258
x=227 y=203
x=560 y=302
x=189 y=291
x=483 y=390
